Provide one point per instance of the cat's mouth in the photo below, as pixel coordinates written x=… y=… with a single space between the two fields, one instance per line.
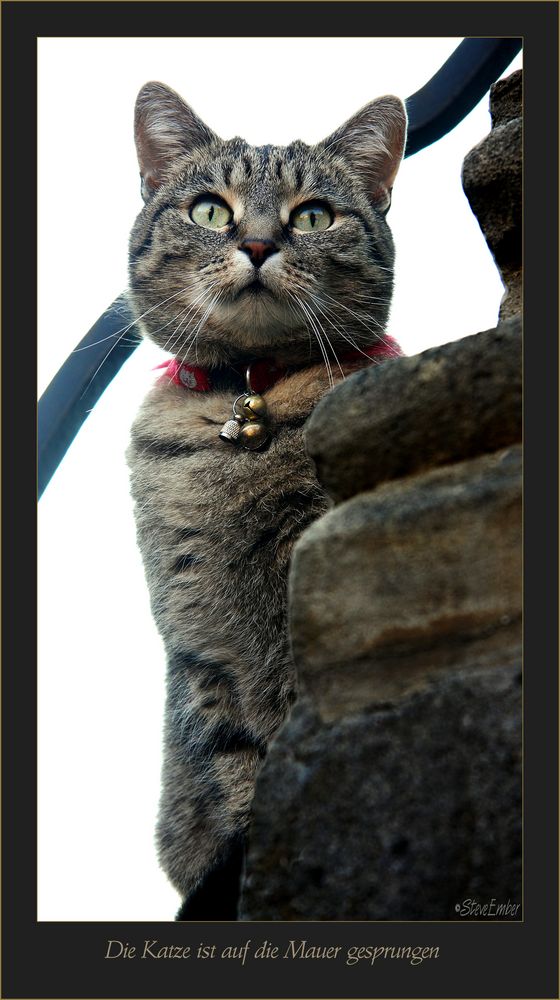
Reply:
x=253 y=288
x=254 y=308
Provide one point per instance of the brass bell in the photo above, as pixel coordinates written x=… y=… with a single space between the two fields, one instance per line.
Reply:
x=253 y=435
x=252 y=407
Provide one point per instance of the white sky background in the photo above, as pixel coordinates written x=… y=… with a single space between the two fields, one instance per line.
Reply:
x=101 y=664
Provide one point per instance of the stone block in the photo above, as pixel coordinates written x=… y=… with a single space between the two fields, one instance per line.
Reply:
x=416 y=577
x=394 y=790
x=506 y=99
x=399 y=813
x=396 y=419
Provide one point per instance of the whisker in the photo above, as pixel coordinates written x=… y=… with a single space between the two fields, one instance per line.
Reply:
x=185 y=320
x=295 y=312
x=375 y=333
x=357 y=316
x=328 y=314
x=318 y=338
x=318 y=323
x=100 y=366
x=331 y=318
x=94 y=343
x=191 y=338
x=126 y=330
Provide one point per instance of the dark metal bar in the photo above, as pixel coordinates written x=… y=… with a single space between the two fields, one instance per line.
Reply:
x=456 y=88
x=77 y=386
x=433 y=111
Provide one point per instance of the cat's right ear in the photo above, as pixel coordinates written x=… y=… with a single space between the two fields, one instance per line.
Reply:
x=165 y=127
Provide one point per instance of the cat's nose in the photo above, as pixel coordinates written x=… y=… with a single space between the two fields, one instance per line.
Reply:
x=258 y=250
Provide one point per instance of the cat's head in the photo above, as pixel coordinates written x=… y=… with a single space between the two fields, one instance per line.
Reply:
x=242 y=251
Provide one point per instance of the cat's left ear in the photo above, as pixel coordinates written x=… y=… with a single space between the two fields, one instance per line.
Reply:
x=373 y=143
x=165 y=127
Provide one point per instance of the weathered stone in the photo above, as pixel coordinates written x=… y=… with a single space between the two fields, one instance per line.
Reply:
x=492 y=181
x=448 y=403
x=394 y=790
x=506 y=99
x=394 y=814
x=492 y=174
x=512 y=302
x=417 y=576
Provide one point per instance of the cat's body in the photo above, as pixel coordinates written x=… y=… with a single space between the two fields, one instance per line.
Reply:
x=216 y=524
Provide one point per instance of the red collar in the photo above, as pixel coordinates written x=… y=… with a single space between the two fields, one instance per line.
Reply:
x=264 y=374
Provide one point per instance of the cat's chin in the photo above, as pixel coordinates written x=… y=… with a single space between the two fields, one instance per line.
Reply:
x=255 y=315
x=233 y=333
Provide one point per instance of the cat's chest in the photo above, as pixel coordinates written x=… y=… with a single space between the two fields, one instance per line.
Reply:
x=182 y=471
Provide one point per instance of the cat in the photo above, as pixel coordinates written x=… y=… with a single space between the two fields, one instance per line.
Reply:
x=280 y=260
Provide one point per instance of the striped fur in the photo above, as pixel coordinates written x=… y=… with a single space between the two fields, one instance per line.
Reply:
x=216 y=525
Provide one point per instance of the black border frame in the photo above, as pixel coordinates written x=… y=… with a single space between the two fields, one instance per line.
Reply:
x=476 y=959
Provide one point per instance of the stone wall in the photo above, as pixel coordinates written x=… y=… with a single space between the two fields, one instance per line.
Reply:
x=394 y=790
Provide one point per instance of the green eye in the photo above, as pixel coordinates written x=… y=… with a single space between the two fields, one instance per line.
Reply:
x=211 y=212
x=311 y=217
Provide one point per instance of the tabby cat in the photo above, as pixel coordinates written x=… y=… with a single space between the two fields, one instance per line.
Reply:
x=241 y=255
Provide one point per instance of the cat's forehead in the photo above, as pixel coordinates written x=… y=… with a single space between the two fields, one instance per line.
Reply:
x=262 y=172
x=263 y=175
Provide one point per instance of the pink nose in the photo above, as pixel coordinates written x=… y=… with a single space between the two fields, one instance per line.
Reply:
x=258 y=250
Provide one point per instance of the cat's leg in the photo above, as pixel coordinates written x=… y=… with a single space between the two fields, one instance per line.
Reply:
x=217 y=896
x=216 y=551
x=211 y=755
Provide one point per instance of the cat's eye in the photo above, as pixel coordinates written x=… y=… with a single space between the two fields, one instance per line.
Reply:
x=313 y=217
x=211 y=212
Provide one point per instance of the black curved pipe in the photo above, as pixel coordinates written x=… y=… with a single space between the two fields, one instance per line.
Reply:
x=76 y=387
x=433 y=111
x=456 y=88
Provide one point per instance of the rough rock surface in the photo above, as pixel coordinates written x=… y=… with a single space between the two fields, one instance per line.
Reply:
x=424 y=575
x=400 y=813
x=394 y=792
x=492 y=181
x=506 y=99
x=410 y=414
